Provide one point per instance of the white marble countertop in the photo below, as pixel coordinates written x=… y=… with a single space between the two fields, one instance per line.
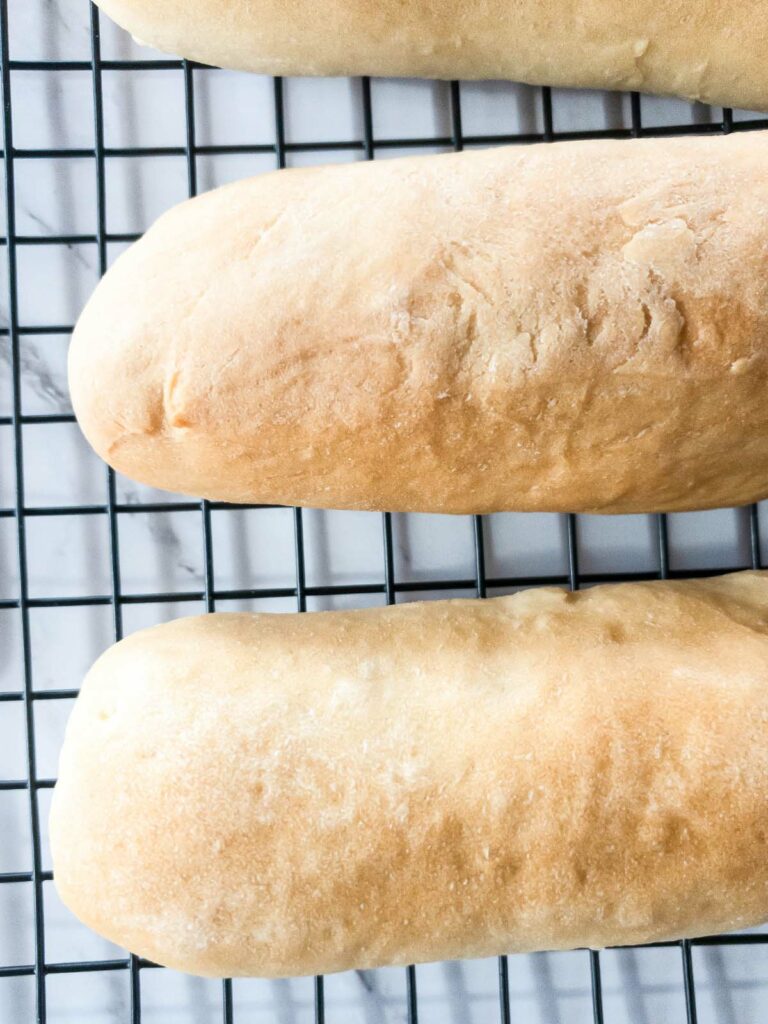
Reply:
x=162 y=552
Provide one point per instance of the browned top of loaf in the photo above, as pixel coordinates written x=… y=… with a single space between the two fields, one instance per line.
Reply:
x=581 y=326
x=286 y=794
x=705 y=49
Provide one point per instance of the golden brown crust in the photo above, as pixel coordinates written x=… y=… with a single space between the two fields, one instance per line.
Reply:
x=581 y=326
x=287 y=794
x=701 y=49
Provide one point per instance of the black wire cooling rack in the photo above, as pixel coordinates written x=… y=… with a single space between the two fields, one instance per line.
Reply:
x=14 y=160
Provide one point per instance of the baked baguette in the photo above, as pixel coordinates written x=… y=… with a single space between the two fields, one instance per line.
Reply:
x=578 y=327
x=292 y=794
x=702 y=49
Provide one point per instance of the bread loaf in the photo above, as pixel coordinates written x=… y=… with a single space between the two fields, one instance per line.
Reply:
x=290 y=794
x=581 y=326
x=701 y=49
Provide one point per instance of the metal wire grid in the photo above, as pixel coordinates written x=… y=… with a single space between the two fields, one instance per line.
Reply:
x=112 y=509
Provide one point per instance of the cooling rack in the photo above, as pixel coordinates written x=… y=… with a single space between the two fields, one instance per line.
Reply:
x=480 y=573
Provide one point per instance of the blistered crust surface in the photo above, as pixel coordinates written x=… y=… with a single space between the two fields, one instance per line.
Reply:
x=572 y=327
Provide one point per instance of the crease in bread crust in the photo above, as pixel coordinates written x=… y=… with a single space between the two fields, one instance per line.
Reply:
x=283 y=795
x=571 y=327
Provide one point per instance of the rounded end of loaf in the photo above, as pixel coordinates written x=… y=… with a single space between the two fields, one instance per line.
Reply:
x=141 y=388
x=114 y=821
x=121 y=345
x=111 y=383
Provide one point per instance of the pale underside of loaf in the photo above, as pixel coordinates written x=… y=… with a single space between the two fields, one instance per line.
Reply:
x=573 y=327
x=700 y=49
x=287 y=794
